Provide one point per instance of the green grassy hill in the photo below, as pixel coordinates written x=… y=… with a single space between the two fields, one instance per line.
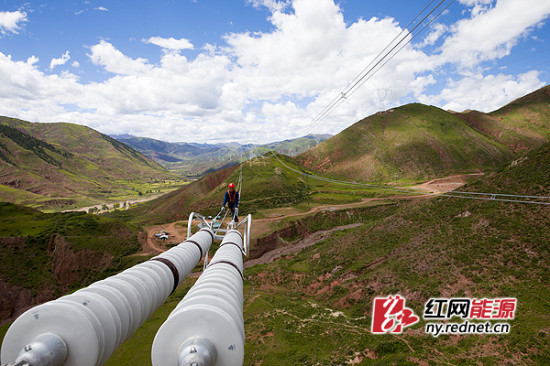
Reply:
x=520 y=125
x=315 y=307
x=267 y=184
x=60 y=165
x=177 y=205
x=412 y=142
x=45 y=255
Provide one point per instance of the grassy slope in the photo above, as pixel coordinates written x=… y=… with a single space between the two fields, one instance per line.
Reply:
x=413 y=142
x=267 y=185
x=66 y=163
x=314 y=308
x=295 y=146
x=521 y=125
x=445 y=247
x=30 y=264
x=45 y=255
x=180 y=203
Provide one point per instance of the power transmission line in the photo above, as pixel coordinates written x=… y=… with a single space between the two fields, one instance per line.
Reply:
x=378 y=62
x=374 y=66
x=454 y=194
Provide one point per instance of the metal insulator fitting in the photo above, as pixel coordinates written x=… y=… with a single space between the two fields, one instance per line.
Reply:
x=46 y=349
x=197 y=352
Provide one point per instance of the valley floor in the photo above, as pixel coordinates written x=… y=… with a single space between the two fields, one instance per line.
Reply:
x=124 y=205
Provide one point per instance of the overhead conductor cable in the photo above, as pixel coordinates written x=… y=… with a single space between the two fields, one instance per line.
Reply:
x=207 y=327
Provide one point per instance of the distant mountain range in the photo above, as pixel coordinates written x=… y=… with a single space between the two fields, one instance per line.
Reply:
x=419 y=142
x=53 y=165
x=50 y=165
x=412 y=143
x=194 y=160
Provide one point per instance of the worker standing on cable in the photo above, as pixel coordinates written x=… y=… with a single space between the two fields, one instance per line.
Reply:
x=231 y=198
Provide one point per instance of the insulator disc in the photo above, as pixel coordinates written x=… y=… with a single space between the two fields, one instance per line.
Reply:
x=144 y=295
x=216 y=290
x=165 y=275
x=105 y=313
x=225 y=275
x=131 y=294
x=201 y=321
x=121 y=305
x=63 y=319
x=151 y=282
x=231 y=309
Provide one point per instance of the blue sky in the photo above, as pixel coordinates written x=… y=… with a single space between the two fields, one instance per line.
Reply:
x=258 y=70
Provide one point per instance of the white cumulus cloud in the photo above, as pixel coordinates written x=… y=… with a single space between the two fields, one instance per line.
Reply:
x=272 y=5
x=32 y=60
x=106 y=55
x=271 y=84
x=485 y=93
x=170 y=43
x=11 y=22
x=492 y=32
x=60 y=61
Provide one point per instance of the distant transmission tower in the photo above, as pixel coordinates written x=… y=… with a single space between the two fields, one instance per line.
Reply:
x=382 y=94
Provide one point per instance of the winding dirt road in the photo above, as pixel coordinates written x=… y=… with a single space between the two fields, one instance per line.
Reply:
x=111 y=205
x=178 y=229
x=443 y=185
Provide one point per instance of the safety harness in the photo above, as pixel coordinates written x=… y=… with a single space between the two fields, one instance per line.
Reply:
x=232 y=198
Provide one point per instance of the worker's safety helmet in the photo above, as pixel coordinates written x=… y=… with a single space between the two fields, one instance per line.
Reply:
x=231 y=185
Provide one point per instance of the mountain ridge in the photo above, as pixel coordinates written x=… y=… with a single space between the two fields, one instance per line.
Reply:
x=420 y=142
x=407 y=145
x=521 y=125
x=196 y=159
x=67 y=163
x=411 y=142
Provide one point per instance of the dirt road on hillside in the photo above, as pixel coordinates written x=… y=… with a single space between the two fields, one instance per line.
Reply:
x=178 y=229
x=432 y=187
x=443 y=185
x=262 y=226
x=111 y=206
